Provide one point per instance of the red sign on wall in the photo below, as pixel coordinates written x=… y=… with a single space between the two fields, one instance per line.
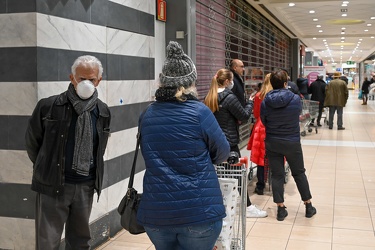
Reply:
x=161 y=9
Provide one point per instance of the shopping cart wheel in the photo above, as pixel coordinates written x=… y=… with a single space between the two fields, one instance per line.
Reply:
x=303 y=133
x=310 y=129
x=250 y=175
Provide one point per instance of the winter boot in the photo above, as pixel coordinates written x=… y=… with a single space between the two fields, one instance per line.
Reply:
x=310 y=210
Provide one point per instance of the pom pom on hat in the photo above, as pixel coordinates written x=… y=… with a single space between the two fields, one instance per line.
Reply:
x=178 y=69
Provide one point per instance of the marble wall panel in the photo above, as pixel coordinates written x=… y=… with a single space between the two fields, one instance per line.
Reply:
x=127 y=43
x=61 y=33
x=18 y=30
x=128 y=92
x=15 y=166
x=142 y=5
x=17 y=98
x=121 y=142
x=17 y=233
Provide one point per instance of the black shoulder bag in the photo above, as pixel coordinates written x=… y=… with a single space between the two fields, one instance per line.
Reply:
x=129 y=204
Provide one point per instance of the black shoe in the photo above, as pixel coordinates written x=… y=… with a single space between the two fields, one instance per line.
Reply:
x=319 y=125
x=281 y=213
x=310 y=210
x=340 y=128
x=258 y=191
x=330 y=127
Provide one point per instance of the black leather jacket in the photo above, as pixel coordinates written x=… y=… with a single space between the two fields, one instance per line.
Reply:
x=46 y=138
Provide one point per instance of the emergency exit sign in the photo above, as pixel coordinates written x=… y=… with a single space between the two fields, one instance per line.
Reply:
x=350 y=62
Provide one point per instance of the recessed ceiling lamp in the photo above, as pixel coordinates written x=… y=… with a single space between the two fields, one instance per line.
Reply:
x=360 y=39
x=312 y=11
x=314 y=38
x=373 y=37
x=291 y=4
x=373 y=17
x=345 y=2
x=318 y=26
x=320 y=31
x=344 y=14
x=369 y=24
x=344 y=5
x=366 y=30
x=315 y=19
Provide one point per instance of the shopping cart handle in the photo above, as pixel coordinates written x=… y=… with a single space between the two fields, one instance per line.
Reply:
x=241 y=161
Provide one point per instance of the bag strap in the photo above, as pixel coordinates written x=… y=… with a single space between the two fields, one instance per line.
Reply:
x=132 y=173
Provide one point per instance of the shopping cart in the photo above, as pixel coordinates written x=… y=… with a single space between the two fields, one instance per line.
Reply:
x=310 y=111
x=237 y=171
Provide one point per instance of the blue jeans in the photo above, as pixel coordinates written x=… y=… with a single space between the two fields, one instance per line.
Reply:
x=196 y=237
x=332 y=110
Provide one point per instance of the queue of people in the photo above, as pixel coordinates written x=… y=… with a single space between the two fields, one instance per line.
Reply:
x=181 y=140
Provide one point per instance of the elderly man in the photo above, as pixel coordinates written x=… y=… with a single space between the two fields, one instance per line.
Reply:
x=317 y=89
x=237 y=67
x=66 y=139
x=336 y=97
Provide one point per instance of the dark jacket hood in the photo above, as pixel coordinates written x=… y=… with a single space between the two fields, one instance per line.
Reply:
x=279 y=98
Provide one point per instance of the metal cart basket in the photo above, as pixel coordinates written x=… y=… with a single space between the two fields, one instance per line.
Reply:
x=310 y=111
x=237 y=171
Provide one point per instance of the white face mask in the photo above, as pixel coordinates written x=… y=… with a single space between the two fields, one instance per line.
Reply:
x=230 y=86
x=85 y=89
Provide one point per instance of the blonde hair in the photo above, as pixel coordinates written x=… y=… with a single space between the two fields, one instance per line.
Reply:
x=182 y=92
x=266 y=87
x=218 y=81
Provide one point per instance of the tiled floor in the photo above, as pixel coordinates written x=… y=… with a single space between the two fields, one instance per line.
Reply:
x=341 y=170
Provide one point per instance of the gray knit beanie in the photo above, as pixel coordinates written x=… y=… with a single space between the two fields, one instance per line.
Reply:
x=178 y=69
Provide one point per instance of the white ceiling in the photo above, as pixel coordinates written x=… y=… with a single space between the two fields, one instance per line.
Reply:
x=296 y=21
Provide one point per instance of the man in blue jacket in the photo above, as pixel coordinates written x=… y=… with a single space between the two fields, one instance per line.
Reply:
x=279 y=113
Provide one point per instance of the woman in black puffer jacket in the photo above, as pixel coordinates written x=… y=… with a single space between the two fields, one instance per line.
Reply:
x=226 y=107
x=230 y=113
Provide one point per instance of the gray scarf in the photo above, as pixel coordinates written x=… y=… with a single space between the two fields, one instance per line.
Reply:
x=83 y=147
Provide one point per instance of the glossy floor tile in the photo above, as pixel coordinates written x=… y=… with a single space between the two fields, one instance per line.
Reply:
x=340 y=165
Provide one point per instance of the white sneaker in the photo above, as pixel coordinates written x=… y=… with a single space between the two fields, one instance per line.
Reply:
x=254 y=212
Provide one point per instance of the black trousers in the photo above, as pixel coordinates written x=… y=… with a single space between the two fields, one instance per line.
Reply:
x=292 y=151
x=72 y=209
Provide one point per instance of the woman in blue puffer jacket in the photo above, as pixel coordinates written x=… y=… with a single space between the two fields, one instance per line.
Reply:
x=182 y=205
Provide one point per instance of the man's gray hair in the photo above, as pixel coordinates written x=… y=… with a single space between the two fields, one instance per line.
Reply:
x=320 y=77
x=87 y=59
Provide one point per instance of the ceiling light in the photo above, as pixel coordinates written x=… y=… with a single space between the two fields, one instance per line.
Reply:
x=312 y=11
x=360 y=39
x=318 y=26
x=324 y=40
x=343 y=28
x=315 y=19
x=342 y=41
x=320 y=31
x=342 y=37
x=369 y=24
x=344 y=5
x=373 y=37
x=344 y=14
x=291 y=4
x=366 y=30
x=373 y=17
x=346 y=2
x=314 y=38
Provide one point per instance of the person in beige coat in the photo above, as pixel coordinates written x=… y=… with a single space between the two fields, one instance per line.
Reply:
x=336 y=97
